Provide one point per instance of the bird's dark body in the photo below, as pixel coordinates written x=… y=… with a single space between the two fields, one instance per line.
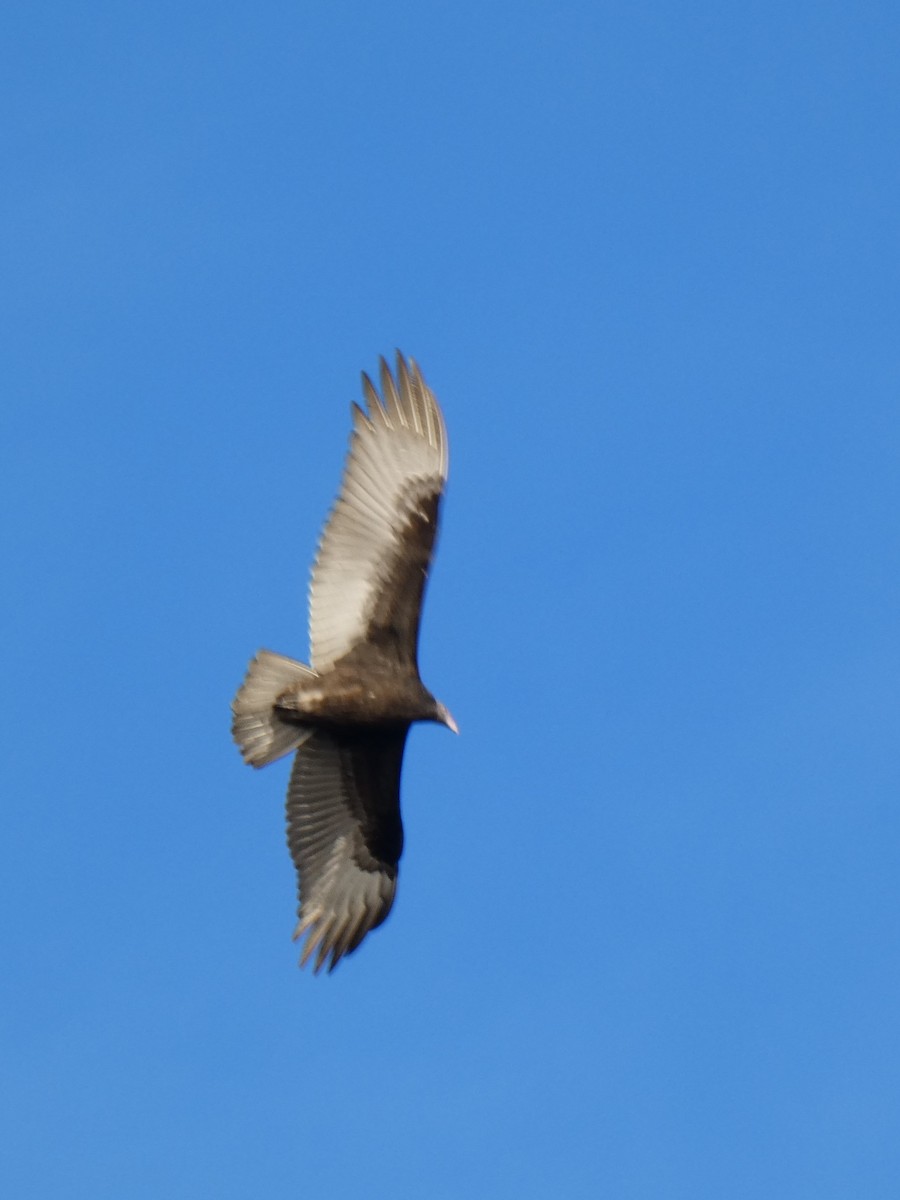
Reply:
x=369 y=695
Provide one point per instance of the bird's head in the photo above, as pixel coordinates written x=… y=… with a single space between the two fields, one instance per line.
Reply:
x=443 y=716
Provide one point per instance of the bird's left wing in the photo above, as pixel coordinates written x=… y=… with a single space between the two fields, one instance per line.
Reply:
x=345 y=836
x=373 y=559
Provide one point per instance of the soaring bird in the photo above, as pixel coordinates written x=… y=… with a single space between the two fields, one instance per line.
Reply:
x=347 y=714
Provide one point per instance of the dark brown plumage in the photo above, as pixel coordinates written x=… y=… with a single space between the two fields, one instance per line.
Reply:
x=349 y=712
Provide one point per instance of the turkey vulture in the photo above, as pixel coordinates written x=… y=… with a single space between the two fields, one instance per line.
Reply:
x=348 y=713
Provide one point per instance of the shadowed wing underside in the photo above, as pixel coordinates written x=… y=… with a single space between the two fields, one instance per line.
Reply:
x=370 y=571
x=345 y=836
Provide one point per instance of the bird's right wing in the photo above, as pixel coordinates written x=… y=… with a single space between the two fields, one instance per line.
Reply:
x=345 y=836
x=373 y=560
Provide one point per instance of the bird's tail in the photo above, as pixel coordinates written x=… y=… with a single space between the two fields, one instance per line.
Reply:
x=261 y=734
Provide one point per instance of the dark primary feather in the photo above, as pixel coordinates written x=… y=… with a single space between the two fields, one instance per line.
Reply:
x=351 y=713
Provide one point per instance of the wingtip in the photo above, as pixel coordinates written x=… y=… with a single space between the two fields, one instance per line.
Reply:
x=372 y=399
x=407 y=364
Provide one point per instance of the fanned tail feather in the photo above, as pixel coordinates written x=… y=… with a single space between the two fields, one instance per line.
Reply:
x=261 y=734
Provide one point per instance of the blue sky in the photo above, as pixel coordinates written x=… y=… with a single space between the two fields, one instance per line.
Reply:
x=646 y=936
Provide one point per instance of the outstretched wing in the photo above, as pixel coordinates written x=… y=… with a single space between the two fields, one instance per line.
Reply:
x=345 y=836
x=369 y=575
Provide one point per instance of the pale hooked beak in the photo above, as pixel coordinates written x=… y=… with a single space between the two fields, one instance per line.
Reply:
x=446 y=718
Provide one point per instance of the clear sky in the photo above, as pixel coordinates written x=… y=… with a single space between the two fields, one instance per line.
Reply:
x=646 y=936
